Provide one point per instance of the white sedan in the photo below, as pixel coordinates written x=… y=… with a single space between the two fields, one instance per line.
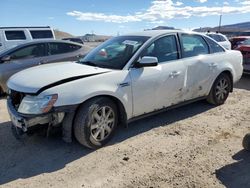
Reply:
x=221 y=39
x=125 y=78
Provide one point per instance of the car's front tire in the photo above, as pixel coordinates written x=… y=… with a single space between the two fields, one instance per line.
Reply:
x=95 y=122
x=220 y=90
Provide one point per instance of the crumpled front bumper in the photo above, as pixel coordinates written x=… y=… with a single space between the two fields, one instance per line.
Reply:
x=23 y=122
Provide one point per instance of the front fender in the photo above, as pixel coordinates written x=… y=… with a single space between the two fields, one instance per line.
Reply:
x=109 y=84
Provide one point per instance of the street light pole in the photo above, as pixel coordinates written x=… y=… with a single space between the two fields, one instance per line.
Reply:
x=220 y=22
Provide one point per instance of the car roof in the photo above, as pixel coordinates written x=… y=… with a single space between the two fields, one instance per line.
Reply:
x=72 y=38
x=28 y=27
x=155 y=33
x=38 y=42
x=48 y=40
x=241 y=37
x=212 y=33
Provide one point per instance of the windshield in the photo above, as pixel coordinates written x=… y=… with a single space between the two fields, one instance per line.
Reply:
x=114 y=53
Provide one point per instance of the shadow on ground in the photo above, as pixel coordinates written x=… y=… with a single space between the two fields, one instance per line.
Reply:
x=36 y=155
x=237 y=174
x=244 y=83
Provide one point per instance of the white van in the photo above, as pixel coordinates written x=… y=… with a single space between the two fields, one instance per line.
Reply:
x=13 y=36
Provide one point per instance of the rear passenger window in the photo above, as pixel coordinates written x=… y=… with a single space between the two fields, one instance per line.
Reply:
x=165 y=49
x=60 y=48
x=215 y=37
x=222 y=38
x=41 y=34
x=214 y=47
x=15 y=35
x=193 y=45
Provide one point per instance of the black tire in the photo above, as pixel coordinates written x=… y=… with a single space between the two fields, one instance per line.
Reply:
x=84 y=121
x=246 y=142
x=213 y=97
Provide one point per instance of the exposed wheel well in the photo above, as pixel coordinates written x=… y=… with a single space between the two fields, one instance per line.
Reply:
x=68 y=123
x=231 y=78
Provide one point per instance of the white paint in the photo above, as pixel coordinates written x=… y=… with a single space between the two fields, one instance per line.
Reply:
x=146 y=89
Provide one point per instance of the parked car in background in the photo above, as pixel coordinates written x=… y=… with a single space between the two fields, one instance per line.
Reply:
x=221 y=39
x=243 y=44
x=116 y=82
x=13 y=36
x=77 y=40
x=236 y=41
x=37 y=53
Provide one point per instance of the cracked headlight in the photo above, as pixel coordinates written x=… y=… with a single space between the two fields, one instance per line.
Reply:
x=37 y=105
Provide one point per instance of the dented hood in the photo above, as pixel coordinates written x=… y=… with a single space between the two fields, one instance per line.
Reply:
x=35 y=80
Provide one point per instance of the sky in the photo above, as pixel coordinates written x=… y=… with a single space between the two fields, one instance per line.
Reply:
x=110 y=17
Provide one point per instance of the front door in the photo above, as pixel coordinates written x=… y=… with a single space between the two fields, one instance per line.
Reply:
x=157 y=87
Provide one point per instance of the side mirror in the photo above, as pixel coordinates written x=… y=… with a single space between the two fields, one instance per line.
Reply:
x=6 y=58
x=147 y=61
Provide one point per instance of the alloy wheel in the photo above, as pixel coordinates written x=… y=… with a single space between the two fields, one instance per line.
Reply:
x=222 y=89
x=102 y=123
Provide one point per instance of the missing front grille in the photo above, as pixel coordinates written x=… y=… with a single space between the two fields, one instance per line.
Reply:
x=16 y=98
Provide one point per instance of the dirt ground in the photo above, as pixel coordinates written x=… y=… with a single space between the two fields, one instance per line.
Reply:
x=197 y=145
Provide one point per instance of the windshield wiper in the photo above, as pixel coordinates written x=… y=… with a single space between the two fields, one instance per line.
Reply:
x=88 y=63
x=91 y=63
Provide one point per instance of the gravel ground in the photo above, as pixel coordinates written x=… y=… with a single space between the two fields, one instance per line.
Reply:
x=197 y=145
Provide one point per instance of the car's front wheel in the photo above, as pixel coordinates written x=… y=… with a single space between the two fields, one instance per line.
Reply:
x=95 y=122
x=220 y=90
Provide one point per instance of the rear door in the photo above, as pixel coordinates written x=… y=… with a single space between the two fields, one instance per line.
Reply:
x=59 y=51
x=200 y=65
x=22 y=58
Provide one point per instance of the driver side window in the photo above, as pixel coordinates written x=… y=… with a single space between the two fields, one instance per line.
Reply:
x=27 y=52
x=165 y=49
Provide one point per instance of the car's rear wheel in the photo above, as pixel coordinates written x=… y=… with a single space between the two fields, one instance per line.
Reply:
x=246 y=142
x=95 y=122
x=220 y=90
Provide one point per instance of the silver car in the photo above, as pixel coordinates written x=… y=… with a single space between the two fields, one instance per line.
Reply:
x=37 y=53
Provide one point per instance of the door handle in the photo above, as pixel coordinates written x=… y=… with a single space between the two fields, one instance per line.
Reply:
x=212 y=65
x=174 y=74
x=124 y=84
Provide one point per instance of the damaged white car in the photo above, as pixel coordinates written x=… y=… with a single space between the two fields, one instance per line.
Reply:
x=125 y=78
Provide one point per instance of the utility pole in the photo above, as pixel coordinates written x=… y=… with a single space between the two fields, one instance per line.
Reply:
x=220 y=22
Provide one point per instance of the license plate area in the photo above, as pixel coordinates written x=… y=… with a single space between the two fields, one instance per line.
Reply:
x=16 y=121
